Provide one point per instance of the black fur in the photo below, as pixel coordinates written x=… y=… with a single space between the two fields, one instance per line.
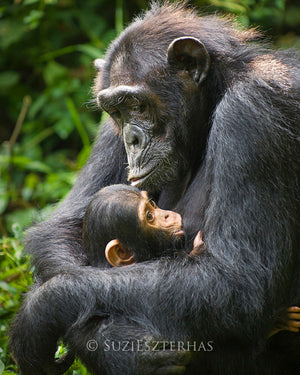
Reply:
x=229 y=152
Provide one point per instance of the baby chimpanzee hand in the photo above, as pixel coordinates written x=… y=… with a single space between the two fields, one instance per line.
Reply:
x=199 y=245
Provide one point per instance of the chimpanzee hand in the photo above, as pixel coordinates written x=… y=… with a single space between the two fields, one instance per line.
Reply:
x=62 y=364
x=198 y=245
x=291 y=321
x=162 y=362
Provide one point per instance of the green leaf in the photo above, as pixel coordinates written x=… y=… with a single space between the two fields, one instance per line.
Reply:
x=30 y=2
x=34 y=18
x=8 y=79
x=11 y=31
x=18 y=220
x=119 y=21
x=77 y=121
x=54 y=72
x=24 y=163
x=37 y=105
x=280 y=4
x=64 y=127
x=3 y=202
x=4 y=196
x=17 y=230
x=31 y=181
x=83 y=156
x=231 y=6
x=8 y=288
x=89 y=50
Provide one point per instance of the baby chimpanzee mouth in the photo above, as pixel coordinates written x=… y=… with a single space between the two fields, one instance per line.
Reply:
x=179 y=232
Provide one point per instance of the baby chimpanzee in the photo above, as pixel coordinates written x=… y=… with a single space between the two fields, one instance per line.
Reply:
x=123 y=226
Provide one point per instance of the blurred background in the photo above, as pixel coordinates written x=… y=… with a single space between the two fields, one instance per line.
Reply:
x=47 y=117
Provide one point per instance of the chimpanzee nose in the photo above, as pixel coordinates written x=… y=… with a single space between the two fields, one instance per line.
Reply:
x=134 y=137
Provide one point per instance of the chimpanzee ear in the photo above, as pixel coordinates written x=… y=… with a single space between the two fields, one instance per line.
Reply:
x=188 y=53
x=117 y=255
x=99 y=64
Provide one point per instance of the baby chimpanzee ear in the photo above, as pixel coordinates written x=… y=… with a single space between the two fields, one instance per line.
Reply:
x=117 y=255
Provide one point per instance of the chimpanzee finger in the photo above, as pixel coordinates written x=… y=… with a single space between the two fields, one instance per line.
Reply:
x=294 y=316
x=294 y=323
x=294 y=309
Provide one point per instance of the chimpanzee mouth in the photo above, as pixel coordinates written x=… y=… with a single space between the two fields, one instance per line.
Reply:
x=153 y=178
x=138 y=180
x=179 y=232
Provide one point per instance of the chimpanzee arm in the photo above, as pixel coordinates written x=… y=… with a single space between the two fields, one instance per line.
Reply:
x=56 y=244
x=208 y=298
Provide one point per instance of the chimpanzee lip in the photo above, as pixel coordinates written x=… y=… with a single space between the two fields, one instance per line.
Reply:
x=137 y=180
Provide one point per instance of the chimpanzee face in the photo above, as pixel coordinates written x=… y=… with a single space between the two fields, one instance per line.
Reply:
x=152 y=218
x=149 y=140
x=135 y=229
x=150 y=101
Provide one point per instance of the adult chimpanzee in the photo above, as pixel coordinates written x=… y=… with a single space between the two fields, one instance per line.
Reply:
x=124 y=226
x=209 y=124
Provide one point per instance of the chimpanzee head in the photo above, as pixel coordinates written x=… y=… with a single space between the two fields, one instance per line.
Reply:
x=124 y=226
x=152 y=84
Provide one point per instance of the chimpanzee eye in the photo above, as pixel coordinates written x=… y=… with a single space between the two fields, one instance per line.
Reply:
x=136 y=108
x=116 y=114
x=140 y=108
x=149 y=216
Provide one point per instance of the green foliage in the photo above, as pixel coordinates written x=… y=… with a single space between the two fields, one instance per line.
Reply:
x=46 y=125
x=15 y=280
x=47 y=121
x=276 y=18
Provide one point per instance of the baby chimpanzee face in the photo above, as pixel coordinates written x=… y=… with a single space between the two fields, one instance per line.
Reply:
x=123 y=226
x=153 y=218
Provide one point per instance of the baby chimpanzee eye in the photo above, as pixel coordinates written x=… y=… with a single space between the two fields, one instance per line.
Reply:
x=149 y=216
